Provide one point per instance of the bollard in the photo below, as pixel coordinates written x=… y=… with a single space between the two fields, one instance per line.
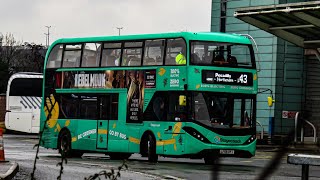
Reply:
x=1 y=147
x=271 y=128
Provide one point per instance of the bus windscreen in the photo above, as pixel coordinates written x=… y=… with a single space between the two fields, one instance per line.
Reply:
x=221 y=54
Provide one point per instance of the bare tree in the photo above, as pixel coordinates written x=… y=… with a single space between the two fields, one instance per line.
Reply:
x=10 y=48
x=35 y=55
x=18 y=57
x=8 y=51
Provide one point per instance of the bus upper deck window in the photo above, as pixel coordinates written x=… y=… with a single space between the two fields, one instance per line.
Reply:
x=71 y=56
x=132 y=54
x=176 y=52
x=153 y=52
x=91 y=55
x=111 y=54
x=54 y=60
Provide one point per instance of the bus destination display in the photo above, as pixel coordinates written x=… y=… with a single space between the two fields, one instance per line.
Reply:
x=227 y=78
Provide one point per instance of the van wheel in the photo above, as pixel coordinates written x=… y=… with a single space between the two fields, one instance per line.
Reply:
x=151 y=149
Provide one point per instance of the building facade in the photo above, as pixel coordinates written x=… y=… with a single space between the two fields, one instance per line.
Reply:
x=284 y=71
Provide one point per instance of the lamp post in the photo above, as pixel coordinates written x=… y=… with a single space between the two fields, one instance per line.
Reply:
x=46 y=39
x=48 y=36
x=119 y=29
x=1 y=37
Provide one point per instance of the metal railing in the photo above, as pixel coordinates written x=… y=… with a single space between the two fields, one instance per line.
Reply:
x=262 y=130
x=300 y=121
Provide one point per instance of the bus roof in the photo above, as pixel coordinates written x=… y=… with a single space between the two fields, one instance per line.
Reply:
x=202 y=36
x=25 y=75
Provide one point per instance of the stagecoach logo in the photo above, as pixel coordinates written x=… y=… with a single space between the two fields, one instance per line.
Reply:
x=219 y=140
x=90 y=80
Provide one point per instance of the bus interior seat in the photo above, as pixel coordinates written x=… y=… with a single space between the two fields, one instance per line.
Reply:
x=195 y=58
x=170 y=60
x=134 y=61
x=209 y=59
x=232 y=61
x=104 y=61
x=149 y=61
x=55 y=63
x=218 y=59
x=108 y=61
x=91 y=61
x=159 y=61
x=67 y=63
x=111 y=61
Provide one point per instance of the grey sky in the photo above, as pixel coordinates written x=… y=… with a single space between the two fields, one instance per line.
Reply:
x=75 y=18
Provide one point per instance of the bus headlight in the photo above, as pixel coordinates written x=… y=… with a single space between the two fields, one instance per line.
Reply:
x=196 y=134
x=251 y=139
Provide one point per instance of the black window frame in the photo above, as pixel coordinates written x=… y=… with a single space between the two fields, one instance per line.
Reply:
x=99 y=97
x=82 y=52
x=186 y=55
x=121 y=53
x=110 y=48
x=64 y=50
x=137 y=47
x=150 y=115
x=164 y=41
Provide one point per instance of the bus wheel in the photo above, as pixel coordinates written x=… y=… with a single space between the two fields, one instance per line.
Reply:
x=64 y=143
x=151 y=149
x=119 y=156
x=75 y=153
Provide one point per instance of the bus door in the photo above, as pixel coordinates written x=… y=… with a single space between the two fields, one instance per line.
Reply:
x=102 y=141
x=103 y=122
x=177 y=114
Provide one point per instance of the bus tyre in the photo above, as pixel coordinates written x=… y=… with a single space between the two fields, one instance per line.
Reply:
x=210 y=160
x=75 y=153
x=64 y=143
x=119 y=156
x=151 y=149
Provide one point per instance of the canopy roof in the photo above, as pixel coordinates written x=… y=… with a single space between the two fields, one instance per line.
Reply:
x=298 y=23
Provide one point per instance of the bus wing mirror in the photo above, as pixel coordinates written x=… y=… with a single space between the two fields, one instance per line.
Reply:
x=182 y=100
x=270 y=101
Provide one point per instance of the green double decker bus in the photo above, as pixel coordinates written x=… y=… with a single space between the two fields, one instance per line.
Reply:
x=178 y=94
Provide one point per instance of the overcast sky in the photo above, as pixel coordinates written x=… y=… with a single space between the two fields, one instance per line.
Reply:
x=26 y=20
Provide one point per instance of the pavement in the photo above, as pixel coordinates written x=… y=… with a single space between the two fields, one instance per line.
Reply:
x=8 y=169
x=302 y=148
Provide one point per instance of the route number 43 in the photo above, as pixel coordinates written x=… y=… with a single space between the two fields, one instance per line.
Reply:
x=243 y=79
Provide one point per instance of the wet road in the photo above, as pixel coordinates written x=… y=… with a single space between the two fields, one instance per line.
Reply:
x=19 y=148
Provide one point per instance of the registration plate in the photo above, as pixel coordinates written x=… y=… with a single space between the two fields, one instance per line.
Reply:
x=226 y=151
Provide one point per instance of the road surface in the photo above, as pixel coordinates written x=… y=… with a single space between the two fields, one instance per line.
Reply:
x=19 y=148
